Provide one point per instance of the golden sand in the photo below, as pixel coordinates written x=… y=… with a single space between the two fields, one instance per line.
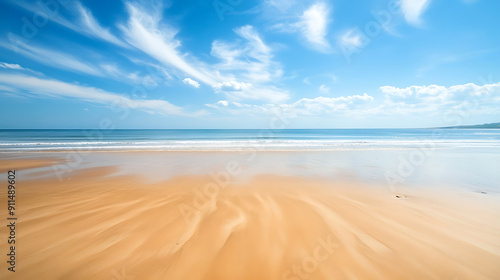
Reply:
x=100 y=226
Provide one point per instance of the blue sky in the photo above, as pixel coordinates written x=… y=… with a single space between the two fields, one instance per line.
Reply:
x=245 y=64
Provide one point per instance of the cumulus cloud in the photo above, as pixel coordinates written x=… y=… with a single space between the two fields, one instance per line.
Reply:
x=55 y=88
x=434 y=99
x=321 y=104
x=232 y=85
x=435 y=93
x=189 y=81
x=413 y=9
x=306 y=106
x=223 y=103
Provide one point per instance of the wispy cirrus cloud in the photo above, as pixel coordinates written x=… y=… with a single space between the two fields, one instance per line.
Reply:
x=313 y=25
x=249 y=60
x=99 y=66
x=14 y=66
x=351 y=39
x=324 y=89
x=53 y=58
x=90 y=26
x=82 y=21
x=55 y=88
x=247 y=68
x=143 y=31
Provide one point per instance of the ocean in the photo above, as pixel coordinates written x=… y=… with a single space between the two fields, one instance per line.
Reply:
x=467 y=159
x=24 y=140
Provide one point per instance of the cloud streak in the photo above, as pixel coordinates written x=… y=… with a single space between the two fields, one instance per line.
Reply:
x=55 y=88
x=144 y=33
x=54 y=59
x=247 y=67
x=85 y=23
x=91 y=27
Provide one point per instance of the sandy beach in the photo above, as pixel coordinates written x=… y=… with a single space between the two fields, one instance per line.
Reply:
x=249 y=140
x=98 y=224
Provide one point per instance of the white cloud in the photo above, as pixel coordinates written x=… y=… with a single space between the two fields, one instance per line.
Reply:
x=238 y=91
x=223 y=103
x=324 y=89
x=11 y=66
x=247 y=67
x=250 y=60
x=435 y=93
x=351 y=39
x=55 y=88
x=413 y=9
x=144 y=32
x=346 y=105
x=90 y=26
x=313 y=25
x=281 y=5
x=148 y=81
x=86 y=24
x=232 y=85
x=189 y=81
x=54 y=58
x=423 y=101
x=435 y=100
x=319 y=105
x=6 y=89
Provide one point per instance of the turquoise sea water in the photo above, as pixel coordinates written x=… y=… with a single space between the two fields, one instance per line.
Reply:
x=242 y=139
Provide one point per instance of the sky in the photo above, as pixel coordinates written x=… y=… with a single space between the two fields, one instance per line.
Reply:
x=249 y=64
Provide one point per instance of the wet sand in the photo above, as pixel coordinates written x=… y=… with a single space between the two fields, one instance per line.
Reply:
x=95 y=224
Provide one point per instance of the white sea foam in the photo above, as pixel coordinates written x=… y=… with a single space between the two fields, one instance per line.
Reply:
x=235 y=145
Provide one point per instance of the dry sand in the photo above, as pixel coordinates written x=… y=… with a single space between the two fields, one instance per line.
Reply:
x=99 y=226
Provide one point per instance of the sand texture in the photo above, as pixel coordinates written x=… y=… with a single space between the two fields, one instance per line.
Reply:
x=95 y=225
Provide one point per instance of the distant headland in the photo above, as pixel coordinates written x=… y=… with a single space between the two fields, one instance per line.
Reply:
x=477 y=126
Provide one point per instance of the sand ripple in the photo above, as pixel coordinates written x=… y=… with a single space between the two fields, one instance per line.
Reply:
x=96 y=226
